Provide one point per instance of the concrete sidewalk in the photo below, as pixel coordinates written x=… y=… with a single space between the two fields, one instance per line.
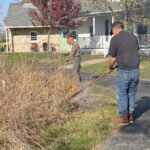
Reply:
x=88 y=62
x=137 y=135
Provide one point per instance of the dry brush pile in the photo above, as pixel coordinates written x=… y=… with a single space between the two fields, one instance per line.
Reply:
x=30 y=101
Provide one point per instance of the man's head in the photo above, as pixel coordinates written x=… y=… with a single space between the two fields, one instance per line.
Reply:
x=117 y=27
x=70 y=39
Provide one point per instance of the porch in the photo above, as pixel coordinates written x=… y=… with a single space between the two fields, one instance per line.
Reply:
x=95 y=45
x=100 y=44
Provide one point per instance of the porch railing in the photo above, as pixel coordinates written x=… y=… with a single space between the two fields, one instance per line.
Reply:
x=144 y=40
x=97 y=42
x=100 y=42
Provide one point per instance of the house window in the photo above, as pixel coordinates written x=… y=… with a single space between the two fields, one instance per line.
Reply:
x=142 y=29
x=33 y=36
x=74 y=34
x=147 y=5
x=91 y=31
x=106 y=27
x=65 y=33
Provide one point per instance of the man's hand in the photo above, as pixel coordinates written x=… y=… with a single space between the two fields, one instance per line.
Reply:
x=66 y=59
x=112 y=62
x=110 y=71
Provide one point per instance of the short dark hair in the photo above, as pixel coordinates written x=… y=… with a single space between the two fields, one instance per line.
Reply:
x=117 y=24
x=70 y=35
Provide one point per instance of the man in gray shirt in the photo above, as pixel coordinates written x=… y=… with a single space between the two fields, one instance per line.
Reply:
x=75 y=53
x=124 y=52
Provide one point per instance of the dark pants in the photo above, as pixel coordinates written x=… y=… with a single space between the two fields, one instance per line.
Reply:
x=127 y=84
x=77 y=67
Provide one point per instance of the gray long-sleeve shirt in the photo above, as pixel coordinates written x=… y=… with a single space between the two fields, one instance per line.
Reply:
x=75 y=51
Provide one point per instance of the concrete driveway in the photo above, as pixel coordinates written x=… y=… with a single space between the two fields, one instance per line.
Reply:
x=131 y=137
x=136 y=136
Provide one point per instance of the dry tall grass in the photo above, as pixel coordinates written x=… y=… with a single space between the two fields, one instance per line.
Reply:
x=30 y=101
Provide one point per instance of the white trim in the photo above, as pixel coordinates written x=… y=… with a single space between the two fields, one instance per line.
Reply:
x=94 y=29
x=95 y=13
x=6 y=34
x=16 y=27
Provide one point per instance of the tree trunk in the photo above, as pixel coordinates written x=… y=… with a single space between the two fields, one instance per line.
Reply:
x=125 y=22
x=125 y=25
x=48 y=41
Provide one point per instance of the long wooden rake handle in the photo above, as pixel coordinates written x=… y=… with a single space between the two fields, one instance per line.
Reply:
x=91 y=83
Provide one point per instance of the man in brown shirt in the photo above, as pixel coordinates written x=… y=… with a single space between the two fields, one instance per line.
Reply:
x=75 y=53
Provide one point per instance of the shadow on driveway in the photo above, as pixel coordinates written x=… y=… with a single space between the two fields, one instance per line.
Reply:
x=142 y=106
x=141 y=126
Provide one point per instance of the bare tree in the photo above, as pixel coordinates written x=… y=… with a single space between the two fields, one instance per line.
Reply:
x=133 y=11
x=55 y=14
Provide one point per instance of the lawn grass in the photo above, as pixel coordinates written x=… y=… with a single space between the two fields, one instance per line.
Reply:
x=96 y=68
x=145 y=69
x=87 y=128
x=101 y=68
x=43 y=59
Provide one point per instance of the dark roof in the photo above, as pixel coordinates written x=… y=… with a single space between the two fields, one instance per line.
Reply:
x=18 y=15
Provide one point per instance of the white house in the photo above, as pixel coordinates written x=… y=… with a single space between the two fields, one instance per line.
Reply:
x=92 y=35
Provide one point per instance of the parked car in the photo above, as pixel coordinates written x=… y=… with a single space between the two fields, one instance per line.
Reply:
x=2 y=45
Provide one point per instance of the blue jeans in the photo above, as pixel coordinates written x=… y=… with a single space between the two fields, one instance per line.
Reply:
x=127 y=83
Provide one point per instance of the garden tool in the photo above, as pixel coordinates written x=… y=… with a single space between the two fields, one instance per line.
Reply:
x=93 y=81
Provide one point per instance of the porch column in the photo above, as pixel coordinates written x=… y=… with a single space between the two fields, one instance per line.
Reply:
x=94 y=28
x=135 y=29
x=112 y=19
x=6 y=34
x=12 y=41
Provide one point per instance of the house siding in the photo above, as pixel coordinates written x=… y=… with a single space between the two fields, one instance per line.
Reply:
x=21 y=39
x=100 y=25
x=84 y=29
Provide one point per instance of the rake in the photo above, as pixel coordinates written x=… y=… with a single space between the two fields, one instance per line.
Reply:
x=91 y=83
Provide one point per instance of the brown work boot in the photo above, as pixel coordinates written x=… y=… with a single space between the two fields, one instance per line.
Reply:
x=130 y=118
x=121 y=121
